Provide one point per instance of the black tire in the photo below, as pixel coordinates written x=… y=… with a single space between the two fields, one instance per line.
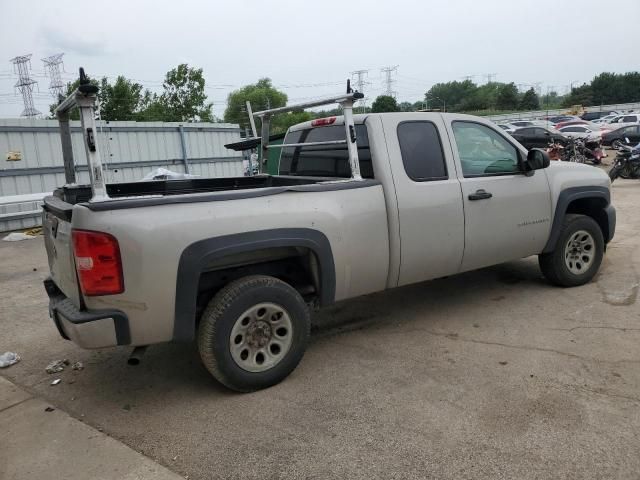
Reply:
x=553 y=264
x=626 y=172
x=616 y=144
x=223 y=312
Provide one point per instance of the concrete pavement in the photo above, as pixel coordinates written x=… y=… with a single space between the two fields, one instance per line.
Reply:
x=38 y=441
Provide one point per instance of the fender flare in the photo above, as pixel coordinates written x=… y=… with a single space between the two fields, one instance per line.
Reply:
x=198 y=254
x=565 y=198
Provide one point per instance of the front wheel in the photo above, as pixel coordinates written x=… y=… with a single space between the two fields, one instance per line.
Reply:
x=616 y=144
x=253 y=333
x=577 y=255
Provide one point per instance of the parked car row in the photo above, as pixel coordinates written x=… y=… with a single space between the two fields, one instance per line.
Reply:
x=610 y=129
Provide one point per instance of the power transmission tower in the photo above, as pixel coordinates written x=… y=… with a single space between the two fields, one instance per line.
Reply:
x=388 y=80
x=490 y=77
x=468 y=77
x=358 y=77
x=21 y=66
x=52 y=64
x=537 y=86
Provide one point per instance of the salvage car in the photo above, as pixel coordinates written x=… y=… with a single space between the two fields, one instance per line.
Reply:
x=538 y=137
x=617 y=138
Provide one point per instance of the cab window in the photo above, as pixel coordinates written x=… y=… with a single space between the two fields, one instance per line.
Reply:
x=324 y=160
x=483 y=151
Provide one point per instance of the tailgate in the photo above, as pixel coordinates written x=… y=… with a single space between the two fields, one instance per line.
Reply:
x=56 y=225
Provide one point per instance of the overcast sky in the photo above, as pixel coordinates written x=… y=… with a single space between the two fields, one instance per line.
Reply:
x=308 y=48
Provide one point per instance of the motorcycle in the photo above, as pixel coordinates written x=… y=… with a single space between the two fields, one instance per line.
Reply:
x=627 y=163
x=574 y=151
x=577 y=150
x=593 y=151
x=555 y=150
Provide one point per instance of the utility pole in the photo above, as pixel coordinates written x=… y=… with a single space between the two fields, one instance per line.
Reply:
x=52 y=64
x=358 y=77
x=468 y=77
x=388 y=80
x=21 y=66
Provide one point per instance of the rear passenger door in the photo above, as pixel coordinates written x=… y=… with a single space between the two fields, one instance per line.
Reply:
x=431 y=218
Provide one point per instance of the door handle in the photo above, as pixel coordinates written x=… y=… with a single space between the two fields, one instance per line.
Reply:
x=480 y=195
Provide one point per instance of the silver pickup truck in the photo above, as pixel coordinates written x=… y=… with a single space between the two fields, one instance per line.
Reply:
x=238 y=263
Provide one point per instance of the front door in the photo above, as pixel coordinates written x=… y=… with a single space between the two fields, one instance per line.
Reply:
x=507 y=214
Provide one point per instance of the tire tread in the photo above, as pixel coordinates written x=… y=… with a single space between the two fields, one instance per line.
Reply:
x=216 y=308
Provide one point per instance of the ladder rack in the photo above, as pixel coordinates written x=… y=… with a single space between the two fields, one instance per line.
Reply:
x=346 y=101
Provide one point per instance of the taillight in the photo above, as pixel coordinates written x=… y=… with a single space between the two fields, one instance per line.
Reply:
x=321 y=122
x=98 y=264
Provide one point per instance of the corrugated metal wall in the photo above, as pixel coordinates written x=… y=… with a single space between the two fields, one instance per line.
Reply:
x=129 y=151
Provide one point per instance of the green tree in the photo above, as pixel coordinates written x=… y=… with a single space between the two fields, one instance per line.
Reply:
x=262 y=96
x=183 y=98
x=582 y=95
x=121 y=100
x=405 y=107
x=419 y=105
x=384 y=103
x=151 y=109
x=507 y=97
x=282 y=122
x=454 y=94
x=530 y=100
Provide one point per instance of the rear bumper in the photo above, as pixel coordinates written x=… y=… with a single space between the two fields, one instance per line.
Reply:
x=86 y=328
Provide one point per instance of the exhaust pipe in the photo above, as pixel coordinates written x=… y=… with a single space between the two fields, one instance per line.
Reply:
x=136 y=355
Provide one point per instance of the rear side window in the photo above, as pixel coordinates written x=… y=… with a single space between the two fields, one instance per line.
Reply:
x=324 y=160
x=421 y=151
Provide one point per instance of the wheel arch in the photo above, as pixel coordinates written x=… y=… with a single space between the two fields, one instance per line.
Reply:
x=592 y=201
x=198 y=255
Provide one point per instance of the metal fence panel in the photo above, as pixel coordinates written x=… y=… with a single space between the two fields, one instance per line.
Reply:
x=130 y=150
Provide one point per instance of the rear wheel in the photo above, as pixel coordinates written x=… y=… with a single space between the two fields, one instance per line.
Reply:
x=617 y=143
x=627 y=172
x=577 y=255
x=253 y=333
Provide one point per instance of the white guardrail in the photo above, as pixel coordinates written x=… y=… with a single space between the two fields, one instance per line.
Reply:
x=619 y=107
x=19 y=201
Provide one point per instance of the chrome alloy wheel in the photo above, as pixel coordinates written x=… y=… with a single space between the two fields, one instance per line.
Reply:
x=261 y=337
x=579 y=252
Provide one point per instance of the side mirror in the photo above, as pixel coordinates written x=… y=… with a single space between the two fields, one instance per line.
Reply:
x=536 y=160
x=626 y=139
